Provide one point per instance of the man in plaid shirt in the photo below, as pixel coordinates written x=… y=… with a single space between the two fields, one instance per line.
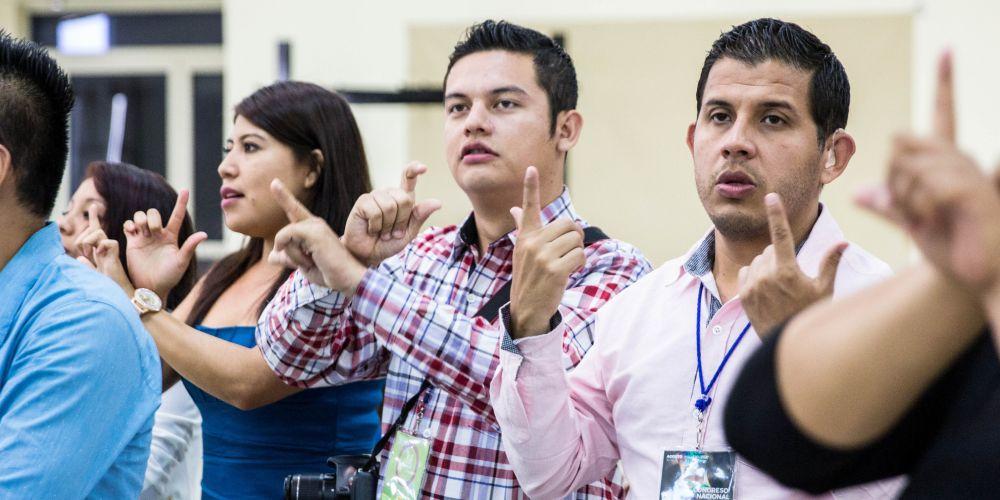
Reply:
x=383 y=301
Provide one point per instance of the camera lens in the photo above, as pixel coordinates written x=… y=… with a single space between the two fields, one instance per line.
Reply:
x=311 y=487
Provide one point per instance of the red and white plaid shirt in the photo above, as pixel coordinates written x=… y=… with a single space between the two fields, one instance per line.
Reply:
x=412 y=319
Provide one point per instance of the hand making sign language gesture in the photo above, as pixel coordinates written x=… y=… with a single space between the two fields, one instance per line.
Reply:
x=99 y=252
x=545 y=255
x=380 y=225
x=384 y=221
x=773 y=288
x=942 y=198
x=309 y=244
x=155 y=261
x=89 y=241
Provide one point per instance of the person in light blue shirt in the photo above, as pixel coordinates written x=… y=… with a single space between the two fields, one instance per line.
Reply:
x=79 y=377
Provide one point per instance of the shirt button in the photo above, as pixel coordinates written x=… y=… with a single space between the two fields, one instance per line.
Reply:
x=717 y=330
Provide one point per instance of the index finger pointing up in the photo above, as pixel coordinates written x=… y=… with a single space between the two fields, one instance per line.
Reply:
x=409 y=181
x=180 y=209
x=781 y=232
x=531 y=215
x=944 y=101
x=293 y=208
x=93 y=221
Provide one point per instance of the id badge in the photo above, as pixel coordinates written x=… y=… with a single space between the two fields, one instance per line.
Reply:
x=698 y=475
x=404 y=476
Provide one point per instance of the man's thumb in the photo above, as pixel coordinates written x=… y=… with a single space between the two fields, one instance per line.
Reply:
x=518 y=214
x=828 y=271
x=424 y=210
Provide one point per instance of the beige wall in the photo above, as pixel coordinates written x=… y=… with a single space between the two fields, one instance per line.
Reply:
x=631 y=173
x=12 y=18
x=970 y=29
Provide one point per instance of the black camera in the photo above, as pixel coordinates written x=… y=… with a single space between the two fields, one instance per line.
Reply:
x=350 y=480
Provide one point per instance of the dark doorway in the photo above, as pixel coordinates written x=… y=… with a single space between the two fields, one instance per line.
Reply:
x=144 y=140
x=207 y=153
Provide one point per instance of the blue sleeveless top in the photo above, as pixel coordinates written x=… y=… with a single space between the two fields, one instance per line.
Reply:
x=247 y=454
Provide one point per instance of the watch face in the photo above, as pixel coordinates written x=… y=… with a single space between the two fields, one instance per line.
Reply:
x=148 y=299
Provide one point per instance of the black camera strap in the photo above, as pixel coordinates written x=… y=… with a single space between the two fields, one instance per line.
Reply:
x=489 y=312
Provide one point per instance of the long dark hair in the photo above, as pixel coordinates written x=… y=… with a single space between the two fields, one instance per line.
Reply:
x=127 y=189
x=304 y=117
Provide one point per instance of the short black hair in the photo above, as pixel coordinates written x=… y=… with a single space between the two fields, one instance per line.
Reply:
x=553 y=67
x=762 y=39
x=35 y=103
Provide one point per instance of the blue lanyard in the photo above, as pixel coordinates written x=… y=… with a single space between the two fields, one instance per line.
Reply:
x=702 y=403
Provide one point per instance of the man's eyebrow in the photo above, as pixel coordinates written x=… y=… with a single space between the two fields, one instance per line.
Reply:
x=785 y=105
x=773 y=104
x=718 y=102
x=509 y=89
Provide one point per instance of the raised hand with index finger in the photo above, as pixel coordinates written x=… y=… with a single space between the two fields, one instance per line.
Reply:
x=88 y=240
x=941 y=197
x=384 y=221
x=773 y=287
x=545 y=255
x=308 y=244
x=155 y=260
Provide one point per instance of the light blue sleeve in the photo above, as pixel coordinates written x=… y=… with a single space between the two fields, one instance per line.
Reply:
x=75 y=407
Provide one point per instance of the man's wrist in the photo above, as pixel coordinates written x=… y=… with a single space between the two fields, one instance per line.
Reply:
x=368 y=260
x=762 y=328
x=531 y=325
x=354 y=273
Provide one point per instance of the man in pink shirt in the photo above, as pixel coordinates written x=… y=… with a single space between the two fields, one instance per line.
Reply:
x=772 y=106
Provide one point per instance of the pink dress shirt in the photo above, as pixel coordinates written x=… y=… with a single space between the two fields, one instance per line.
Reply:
x=632 y=397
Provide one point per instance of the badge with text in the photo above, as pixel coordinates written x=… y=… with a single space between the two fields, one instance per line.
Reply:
x=698 y=475
x=404 y=475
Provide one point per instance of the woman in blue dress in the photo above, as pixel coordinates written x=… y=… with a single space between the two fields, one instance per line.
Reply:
x=256 y=430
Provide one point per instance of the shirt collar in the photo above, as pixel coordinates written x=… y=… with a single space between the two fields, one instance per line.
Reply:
x=468 y=234
x=698 y=261
x=40 y=248
x=701 y=258
x=825 y=234
x=20 y=273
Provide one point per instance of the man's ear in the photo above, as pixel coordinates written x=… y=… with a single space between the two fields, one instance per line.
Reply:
x=690 y=138
x=839 y=149
x=315 y=167
x=6 y=165
x=568 y=126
